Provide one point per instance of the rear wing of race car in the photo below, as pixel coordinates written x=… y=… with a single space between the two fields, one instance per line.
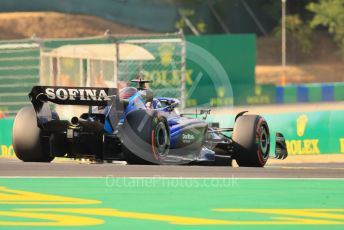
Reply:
x=90 y=96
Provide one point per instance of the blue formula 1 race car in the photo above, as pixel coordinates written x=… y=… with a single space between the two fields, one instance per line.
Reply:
x=133 y=125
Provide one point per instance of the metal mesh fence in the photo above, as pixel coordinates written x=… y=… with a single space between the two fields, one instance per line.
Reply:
x=99 y=61
x=114 y=61
x=160 y=59
x=19 y=67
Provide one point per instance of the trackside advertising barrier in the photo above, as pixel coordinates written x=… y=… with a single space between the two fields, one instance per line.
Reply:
x=265 y=94
x=307 y=133
x=6 y=148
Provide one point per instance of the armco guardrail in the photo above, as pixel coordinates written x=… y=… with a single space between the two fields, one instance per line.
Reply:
x=310 y=92
x=307 y=133
x=265 y=94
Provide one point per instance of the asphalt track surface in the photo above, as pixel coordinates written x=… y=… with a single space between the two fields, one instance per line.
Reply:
x=15 y=168
x=71 y=195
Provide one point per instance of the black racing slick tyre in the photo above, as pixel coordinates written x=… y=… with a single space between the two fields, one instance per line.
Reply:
x=251 y=141
x=26 y=137
x=145 y=137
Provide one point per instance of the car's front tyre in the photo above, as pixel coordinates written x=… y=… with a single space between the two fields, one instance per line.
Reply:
x=251 y=138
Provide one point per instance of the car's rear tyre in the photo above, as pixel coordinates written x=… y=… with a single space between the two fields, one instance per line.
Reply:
x=251 y=138
x=146 y=137
x=26 y=137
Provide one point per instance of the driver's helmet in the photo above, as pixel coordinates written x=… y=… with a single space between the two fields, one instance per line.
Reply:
x=127 y=92
x=156 y=104
x=147 y=94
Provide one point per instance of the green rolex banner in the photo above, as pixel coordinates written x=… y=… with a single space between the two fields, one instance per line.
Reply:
x=311 y=132
x=306 y=133
x=6 y=148
x=254 y=94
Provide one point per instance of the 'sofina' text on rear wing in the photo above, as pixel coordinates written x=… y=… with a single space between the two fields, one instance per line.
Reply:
x=72 y=95
x=89 y=96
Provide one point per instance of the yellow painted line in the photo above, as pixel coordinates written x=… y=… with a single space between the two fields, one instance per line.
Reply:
x=76 y=216
x=299 y=216
x=317 y=215
x=11 y=196
x=48 y=219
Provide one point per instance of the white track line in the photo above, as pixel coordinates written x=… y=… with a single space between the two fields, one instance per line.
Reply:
x=166 y=178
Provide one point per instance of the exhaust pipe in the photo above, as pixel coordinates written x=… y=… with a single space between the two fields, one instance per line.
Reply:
x=87 y=126
x=75 y=121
